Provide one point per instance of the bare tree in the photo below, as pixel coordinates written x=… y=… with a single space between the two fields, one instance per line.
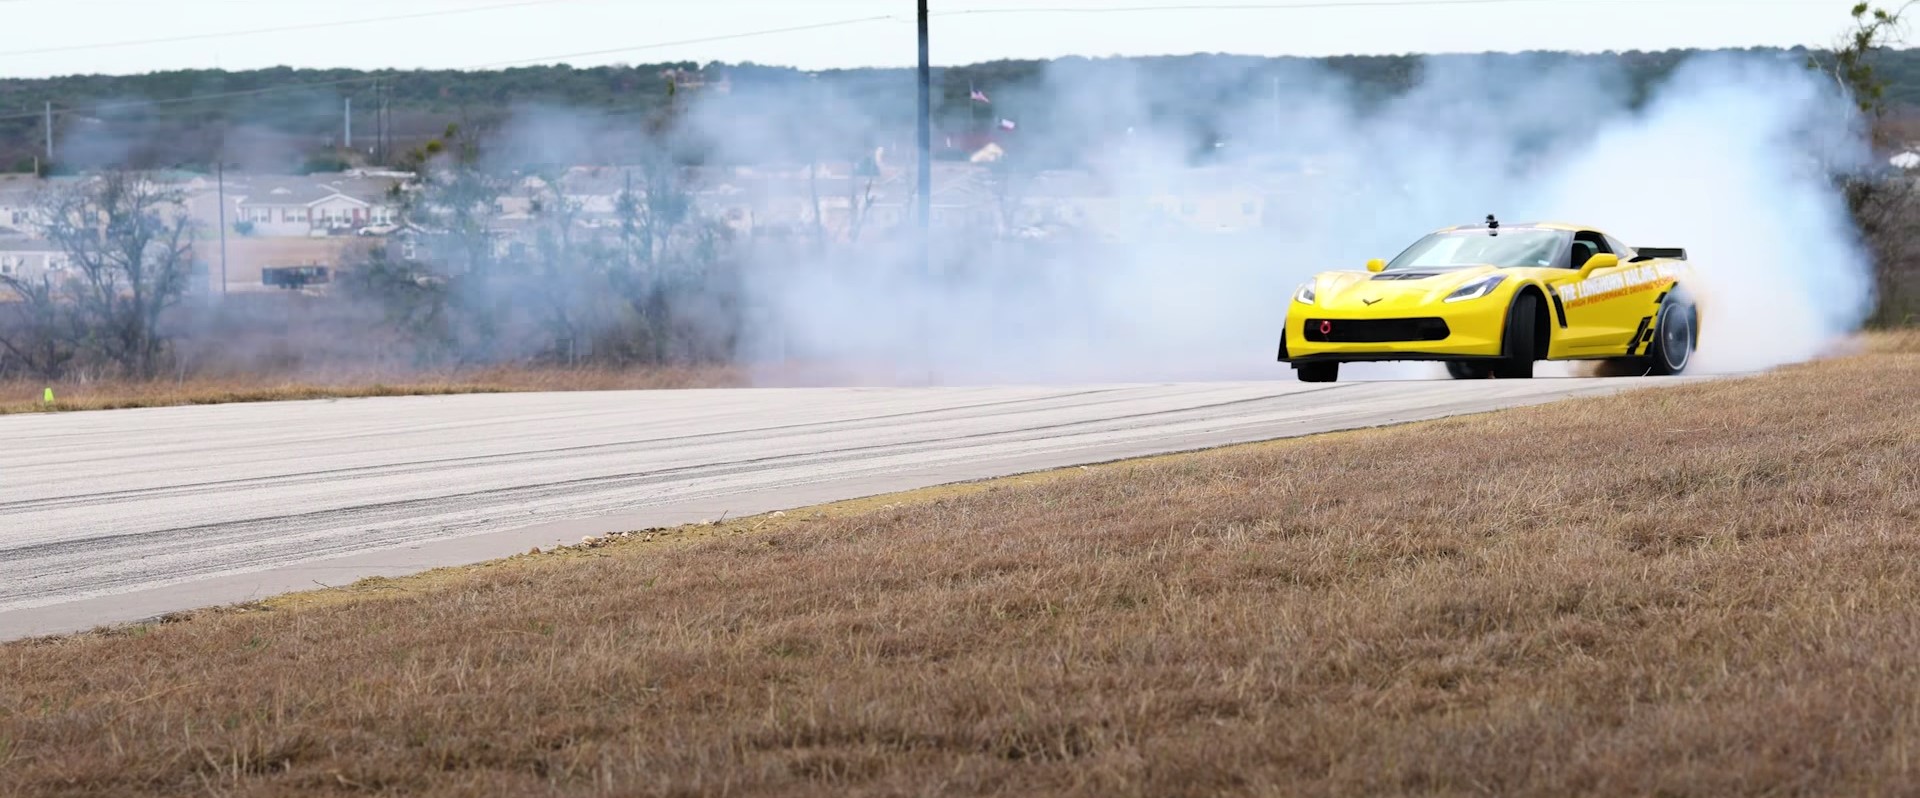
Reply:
x=457 y=206
x=128 y=241
x=447 y=287
x=37 y=325
x=1013 y=175
x=651 y=211
x=562 y=269
x=867 y=174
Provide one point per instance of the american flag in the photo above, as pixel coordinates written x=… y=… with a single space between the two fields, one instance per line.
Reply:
x=979 y=96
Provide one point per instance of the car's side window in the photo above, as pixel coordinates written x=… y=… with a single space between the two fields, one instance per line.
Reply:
x=1587 y=244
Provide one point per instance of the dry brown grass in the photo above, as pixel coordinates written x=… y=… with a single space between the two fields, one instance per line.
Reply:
x=24 y=396
x=1706 y=590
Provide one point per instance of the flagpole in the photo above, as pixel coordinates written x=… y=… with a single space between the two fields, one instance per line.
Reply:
x=973 y=109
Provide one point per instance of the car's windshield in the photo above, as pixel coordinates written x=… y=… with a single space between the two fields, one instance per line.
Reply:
x=1511 y=248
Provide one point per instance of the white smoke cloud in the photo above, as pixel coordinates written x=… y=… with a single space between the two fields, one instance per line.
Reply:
x=1732 y=161
x=1728 y=158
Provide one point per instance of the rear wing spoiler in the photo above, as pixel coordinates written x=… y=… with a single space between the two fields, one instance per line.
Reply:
x=1658 y=253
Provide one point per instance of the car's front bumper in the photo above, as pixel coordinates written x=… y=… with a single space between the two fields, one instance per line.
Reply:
x=1472 y=329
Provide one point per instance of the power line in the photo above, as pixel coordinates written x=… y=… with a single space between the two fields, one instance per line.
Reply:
x=281 y=28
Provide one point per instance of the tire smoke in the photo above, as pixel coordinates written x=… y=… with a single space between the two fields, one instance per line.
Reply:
x=1154 y=261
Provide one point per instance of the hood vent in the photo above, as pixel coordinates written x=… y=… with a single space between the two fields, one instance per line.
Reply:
x=1405 y=275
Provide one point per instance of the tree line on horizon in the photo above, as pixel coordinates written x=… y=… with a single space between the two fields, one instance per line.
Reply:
x=292 y=120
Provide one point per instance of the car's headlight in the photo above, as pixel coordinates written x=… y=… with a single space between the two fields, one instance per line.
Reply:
x=1304 y=296
x=1477 y=288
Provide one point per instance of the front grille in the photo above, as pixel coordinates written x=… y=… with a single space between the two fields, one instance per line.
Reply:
x=1375 y=331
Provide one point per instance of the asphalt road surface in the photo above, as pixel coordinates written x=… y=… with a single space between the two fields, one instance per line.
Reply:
x=119 y=516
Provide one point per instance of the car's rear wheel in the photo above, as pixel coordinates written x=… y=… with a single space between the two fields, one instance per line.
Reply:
x=1520 y=355
x=1318 y=372
x=1673 y=339
x=1469 y=369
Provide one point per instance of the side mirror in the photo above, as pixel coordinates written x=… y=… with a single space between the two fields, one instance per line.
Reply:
x=1603 y=260
x=1376 y=265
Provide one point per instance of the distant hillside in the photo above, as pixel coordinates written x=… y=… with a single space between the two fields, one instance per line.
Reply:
x=280 y=119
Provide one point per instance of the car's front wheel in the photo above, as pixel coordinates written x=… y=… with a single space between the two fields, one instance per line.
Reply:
x=1318 y=372
x=1469 y=370
x=1522 y=321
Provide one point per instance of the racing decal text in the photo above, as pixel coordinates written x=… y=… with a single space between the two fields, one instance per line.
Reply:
x=1619 y=284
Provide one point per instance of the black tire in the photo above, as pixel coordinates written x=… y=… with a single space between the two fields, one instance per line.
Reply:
x=1469 y=369
x=1517 y=364
x=1318 y=372
x=1674 y=335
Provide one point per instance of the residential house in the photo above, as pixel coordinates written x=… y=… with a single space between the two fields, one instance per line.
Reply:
x=965 y=198
x=19 y=200
x=596 y=191
x=295 y=207
x=720 y=195
x=314 y=206
x=380 y=191
x=31 y=258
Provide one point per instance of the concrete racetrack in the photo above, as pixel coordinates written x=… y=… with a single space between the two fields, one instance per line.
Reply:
x=119 y=516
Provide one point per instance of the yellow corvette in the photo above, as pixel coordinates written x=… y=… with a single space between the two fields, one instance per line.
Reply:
x=1490 y=301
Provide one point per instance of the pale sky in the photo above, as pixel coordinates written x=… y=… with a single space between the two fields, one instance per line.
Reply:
x=117 y=36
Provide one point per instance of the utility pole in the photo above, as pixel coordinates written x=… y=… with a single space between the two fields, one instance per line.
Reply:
x=379 y=125
x=379 y=151
x=923 y=203
x=924 y=210
x=221 y=171
x=1276 y=110
x=349 y=136
x=49 y=136
x=386 y=124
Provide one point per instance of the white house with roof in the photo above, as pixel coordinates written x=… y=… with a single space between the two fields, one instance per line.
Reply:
x=313 y=207
x=19 y=205
x=31 y=258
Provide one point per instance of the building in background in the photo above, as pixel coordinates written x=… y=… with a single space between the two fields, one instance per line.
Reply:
x=29 y=259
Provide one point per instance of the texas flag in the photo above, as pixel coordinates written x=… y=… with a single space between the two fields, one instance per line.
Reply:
x=1007 y=124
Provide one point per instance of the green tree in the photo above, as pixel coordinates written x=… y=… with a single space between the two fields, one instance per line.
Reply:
x=1884 y=206
x=1874 y=31
x=562 y=271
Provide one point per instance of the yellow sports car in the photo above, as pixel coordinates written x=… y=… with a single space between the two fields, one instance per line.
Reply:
x=1490 y=301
